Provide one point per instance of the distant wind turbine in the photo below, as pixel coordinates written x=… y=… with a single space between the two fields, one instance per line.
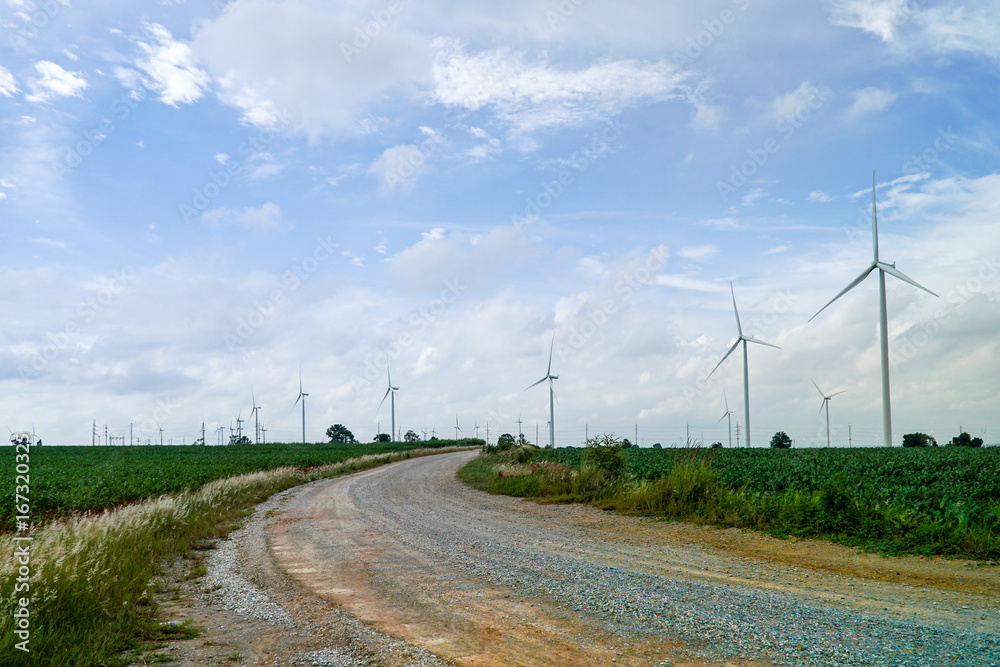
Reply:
x=826 y=404
x=883 y=269
x=729 y=417
x=302 y=397
x=476 y=428
x=392 y=401
x=255 y=413
x=746 y=373
x=552 y=395
x=457 y=429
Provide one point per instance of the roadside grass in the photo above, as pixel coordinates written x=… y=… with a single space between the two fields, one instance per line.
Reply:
x=688 y=488
x=91 y=582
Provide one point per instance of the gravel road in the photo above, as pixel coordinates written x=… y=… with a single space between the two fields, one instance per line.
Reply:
x=408 y=552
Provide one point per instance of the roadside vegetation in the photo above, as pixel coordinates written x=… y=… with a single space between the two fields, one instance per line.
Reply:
x=895 y=501
x=91 y=591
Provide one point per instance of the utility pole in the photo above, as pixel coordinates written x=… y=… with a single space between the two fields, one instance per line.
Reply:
x=849 y=439
x=93 y=434
x=487 y=432
x=203 y=431
x=536 y=434
x=737 y=431
x=161 y=436
x=263 y=434
x=636 y=443
x=586 y=432
x=130 y=434
x=105 y=435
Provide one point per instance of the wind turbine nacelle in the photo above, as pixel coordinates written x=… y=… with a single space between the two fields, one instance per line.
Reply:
x=22 y=438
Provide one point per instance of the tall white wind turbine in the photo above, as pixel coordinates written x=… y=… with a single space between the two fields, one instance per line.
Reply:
x=550 y=377
x=826 y=404
x=255 y=413
x=883 y=269
x=390 y=391
x=302 y=397
x=746 y=373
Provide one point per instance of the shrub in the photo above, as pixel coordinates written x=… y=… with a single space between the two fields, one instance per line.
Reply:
x=918 y=440
x=505 y=442
x=781 y=441
x=965 y=440
x=606 y=454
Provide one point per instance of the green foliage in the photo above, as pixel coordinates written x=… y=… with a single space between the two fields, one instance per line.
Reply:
x=340 y=433
x=716 y=445
x=657 y=445
x=780 y=440
x=382 y=437
x=239 y=440
x=505 y=441
x=411 y=436
x=965 y=440
x=606 y=454
x=918 y=440
x=912 y=500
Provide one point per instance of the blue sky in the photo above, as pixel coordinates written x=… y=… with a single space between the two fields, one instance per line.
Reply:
x=198 y=198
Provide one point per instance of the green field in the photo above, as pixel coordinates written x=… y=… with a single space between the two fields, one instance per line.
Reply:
x=943 y=500
x=64 y=480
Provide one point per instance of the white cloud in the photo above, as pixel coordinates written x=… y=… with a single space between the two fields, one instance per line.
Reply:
x=686 y=283
x=751 y=197
x=436 y=233
x=698 y=253
x=878 y=17
x=55 y=82
x=531 y=96
x=963 y=27
x=356 y=259
x=8 y=85
x=281 y=64
x=398 y=168
x=170 y=68
x=49 y=242
x=868 y=100
x=777 y=250
x=266 y=217
x=785 y=106
x=819 y=196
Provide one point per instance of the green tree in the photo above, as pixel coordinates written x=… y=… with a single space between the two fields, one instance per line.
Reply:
x=918 y=440
x=410 y=436
x=657 y=445
x=239 y=440
x=716 y=445
x=965 y=440
x=505 y=442
x=781 y=440
x=340 y=433
x=382 y=437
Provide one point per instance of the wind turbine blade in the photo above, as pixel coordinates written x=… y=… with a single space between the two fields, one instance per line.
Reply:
x=817 y=388
x=893 y=271
x=552 y=346
x=739 y=328
x=836 y=394
x=726 y=399
x=735 y=345
x=300 y=398
x=723 y=416
x=751 y=339
x=821 y=406
x=874 y=221
x=538 y=383
x=383 y=398
x=554 y=395
x=854 y=283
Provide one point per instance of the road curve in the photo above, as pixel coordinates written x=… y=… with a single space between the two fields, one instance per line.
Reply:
x=490 y=580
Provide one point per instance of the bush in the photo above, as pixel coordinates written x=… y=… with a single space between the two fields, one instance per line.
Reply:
x=607 y=454
x=918 y=440
x=505 y=442
x=716 y=445
x=781 y=441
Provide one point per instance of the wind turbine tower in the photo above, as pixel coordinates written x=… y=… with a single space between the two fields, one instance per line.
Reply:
x=255 y=413
x=457 y=429
x=391 y=394
x=728 y=416
x=826 y=404
x=302 y=397
x=552 y=395
x=883 y=269
x=746 y=373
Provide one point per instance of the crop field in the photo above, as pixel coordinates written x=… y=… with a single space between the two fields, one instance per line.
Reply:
x=939 y=500
x=65 y=480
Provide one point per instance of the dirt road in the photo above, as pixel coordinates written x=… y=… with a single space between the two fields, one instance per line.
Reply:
x=484 y=580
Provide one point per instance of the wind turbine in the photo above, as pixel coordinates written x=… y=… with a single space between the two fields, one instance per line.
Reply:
x=457 y=429
x=826 y=404
x=391 y=390
x=883 y=269
x=520 y=436
x=746 y=373
x=255 y=413
x=550 y=377
x=728 y=416
x=476 y=429
x=302 y=397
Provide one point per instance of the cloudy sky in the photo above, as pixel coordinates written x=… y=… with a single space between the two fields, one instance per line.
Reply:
x=200 y=198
